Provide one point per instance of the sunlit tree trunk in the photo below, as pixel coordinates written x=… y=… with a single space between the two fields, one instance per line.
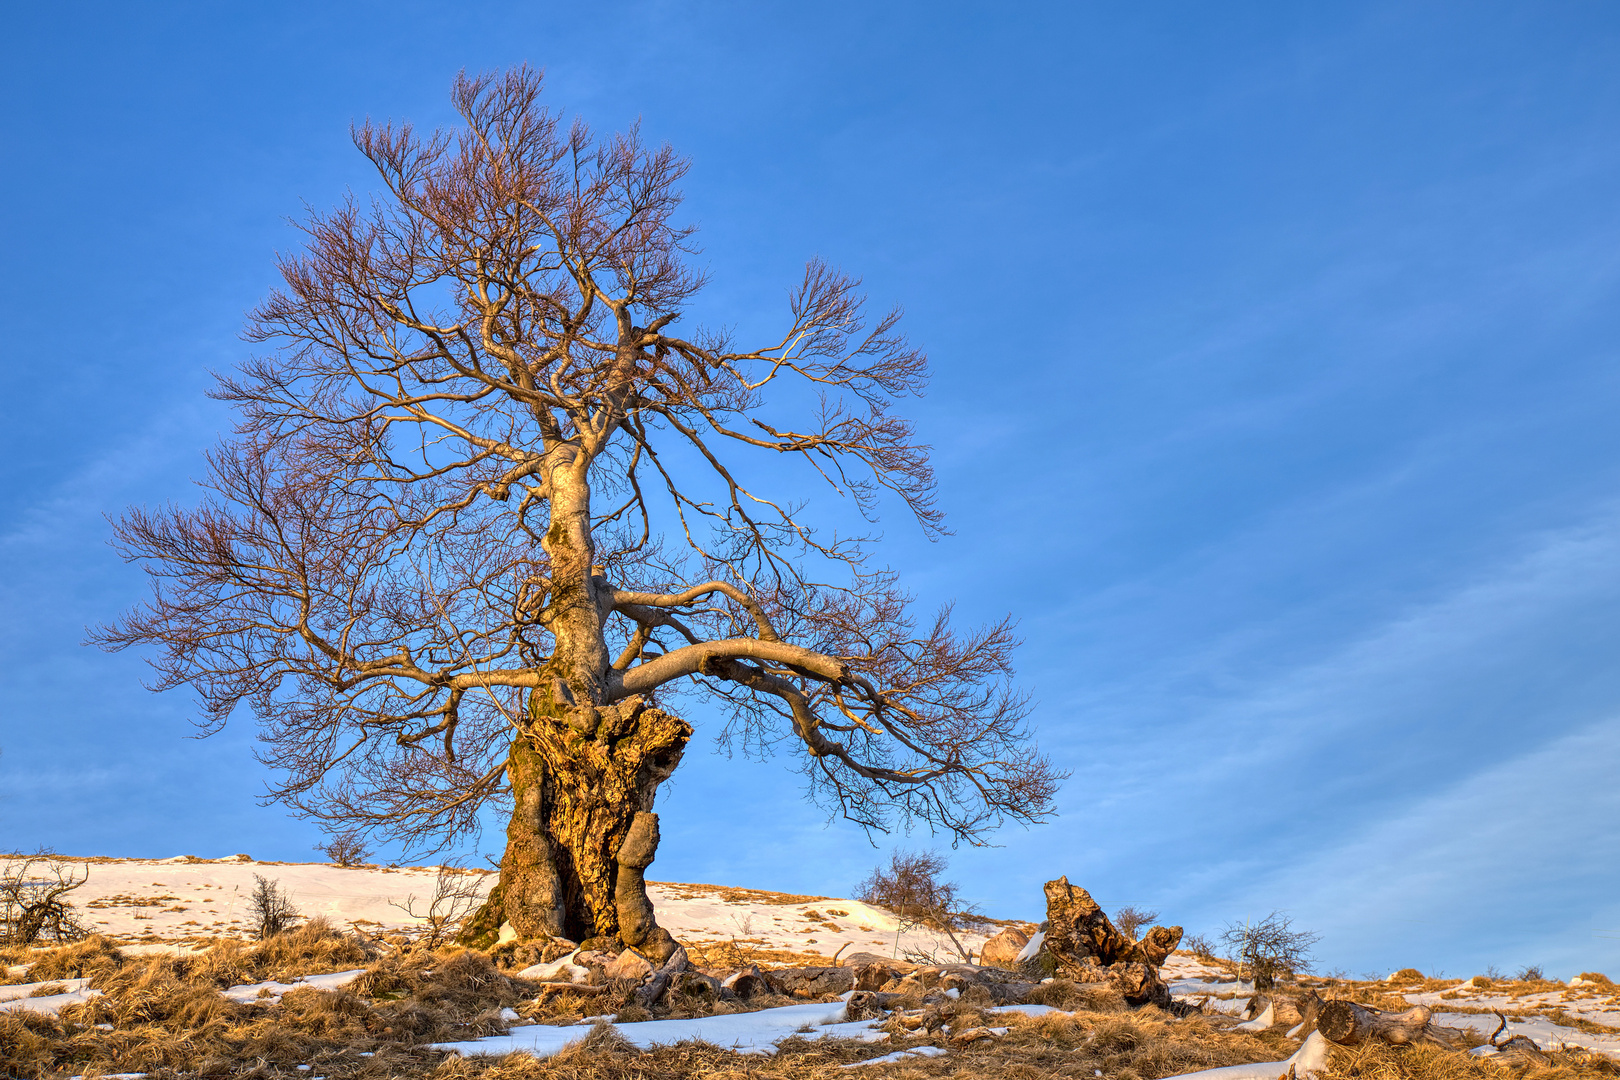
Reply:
x=582 y=772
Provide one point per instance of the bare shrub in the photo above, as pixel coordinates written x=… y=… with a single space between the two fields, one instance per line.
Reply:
x=1129 y=920
x=271 y=908
x=456 y=895
x=1269 y=948
x=1530 y=973
x=912 y=888
x=33 y=899
x=1199 y=945
x=347 y=848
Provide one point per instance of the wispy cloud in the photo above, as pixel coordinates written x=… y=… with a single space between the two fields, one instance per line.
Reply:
x=1515 y=864
x=1442 y=771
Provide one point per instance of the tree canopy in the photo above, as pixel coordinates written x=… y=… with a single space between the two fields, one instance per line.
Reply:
x=486 y=473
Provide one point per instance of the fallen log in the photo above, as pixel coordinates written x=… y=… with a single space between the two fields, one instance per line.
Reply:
x=1003 y=986
x=654 y=988
x=1310 y=1010
x=1349 y=1024
x=813 y=982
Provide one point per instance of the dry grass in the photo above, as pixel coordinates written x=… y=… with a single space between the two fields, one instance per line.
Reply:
x=1380 y=1062
x=165 y=1013
x=166 y=1018
x=79 y=960
x=740 y=952
x=1144 y=1045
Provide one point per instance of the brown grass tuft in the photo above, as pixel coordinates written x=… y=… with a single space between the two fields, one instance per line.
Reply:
x=1376 y=1061
x=81 y=959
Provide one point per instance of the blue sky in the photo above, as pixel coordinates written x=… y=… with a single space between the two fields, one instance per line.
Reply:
x=1275 y=391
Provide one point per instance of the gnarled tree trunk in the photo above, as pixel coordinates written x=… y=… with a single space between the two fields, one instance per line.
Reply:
x=583 y=772
x=584 y=779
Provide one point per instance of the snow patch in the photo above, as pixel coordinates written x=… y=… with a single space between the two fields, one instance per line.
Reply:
x=16 y=998
x=746 y=1033
x=900 y=1055
x=1309 y=1060
x=271 y=989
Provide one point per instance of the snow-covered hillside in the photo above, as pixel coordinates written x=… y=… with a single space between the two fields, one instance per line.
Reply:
x=186 y=899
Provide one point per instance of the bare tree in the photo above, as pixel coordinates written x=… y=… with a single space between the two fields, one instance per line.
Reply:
x=456 y=895
x=1130 y=919
x=34 y=904
x=1200 y=946
x=1269 y=948
x=487 y=515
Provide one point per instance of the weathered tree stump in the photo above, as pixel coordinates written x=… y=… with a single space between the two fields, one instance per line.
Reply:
x=1077 y=927
x=1080 y=939
x=873 y=976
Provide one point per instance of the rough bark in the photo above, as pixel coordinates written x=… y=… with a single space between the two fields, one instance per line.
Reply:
x=813 y=982
x=1080 y=939
x=531 y=890
x=1157 y=944
x=1078 y=928
x=748 y=983
x=637 y=924
x=583 y=777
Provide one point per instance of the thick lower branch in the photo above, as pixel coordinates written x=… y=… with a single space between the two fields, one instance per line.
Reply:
x=691 y=659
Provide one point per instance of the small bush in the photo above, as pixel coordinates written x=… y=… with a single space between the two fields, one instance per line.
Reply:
x=456 y=895
x=912 y=888
x=33 y=899
x=1200 y=946
x=1408 y=975
x=271 y=909
x=346 y=849
x=1530 y=973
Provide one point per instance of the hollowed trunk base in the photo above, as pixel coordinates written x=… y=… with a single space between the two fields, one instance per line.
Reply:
x=582 y=831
